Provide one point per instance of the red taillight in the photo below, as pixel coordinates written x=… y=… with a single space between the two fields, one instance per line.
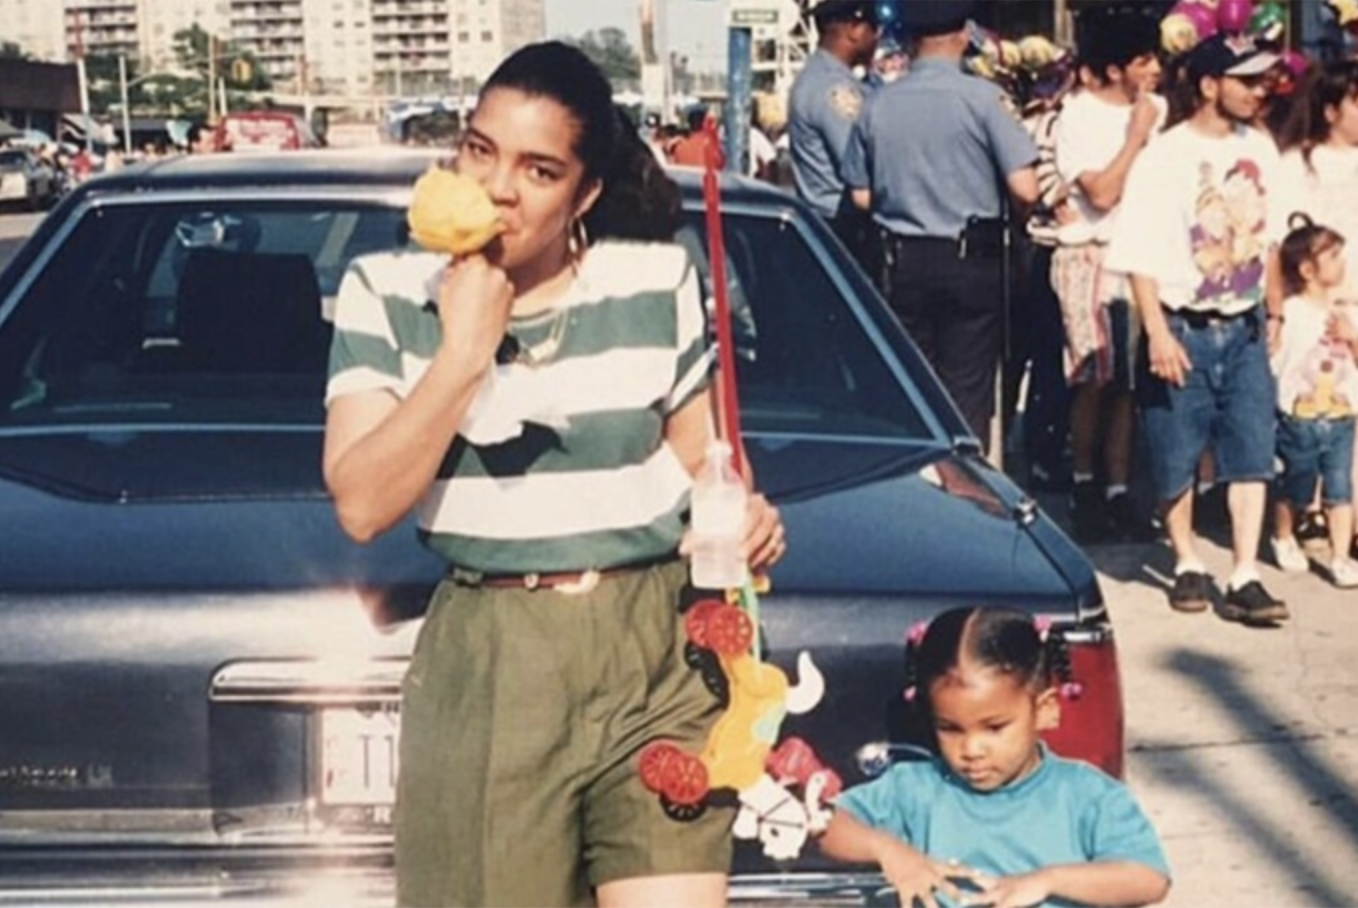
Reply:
x=1091 y=713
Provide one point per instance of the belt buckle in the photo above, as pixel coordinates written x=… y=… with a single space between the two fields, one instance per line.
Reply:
x=586 y=583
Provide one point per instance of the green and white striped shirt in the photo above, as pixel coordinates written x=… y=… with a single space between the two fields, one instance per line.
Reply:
x=590 y=481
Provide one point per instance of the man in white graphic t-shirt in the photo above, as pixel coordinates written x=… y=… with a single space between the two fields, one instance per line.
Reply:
x=1202 y=214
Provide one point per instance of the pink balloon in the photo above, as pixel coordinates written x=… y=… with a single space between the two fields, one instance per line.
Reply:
x=1234 y=15
x=1296 y=62
x=1204 y=18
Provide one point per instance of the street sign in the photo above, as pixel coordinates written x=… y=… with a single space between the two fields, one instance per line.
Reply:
x=777 y=15
x=753 y=18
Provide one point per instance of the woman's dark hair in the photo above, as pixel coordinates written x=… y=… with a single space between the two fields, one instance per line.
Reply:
x=638 y=201
x=999 y=639
x=1324 y=87
x=1304 y=241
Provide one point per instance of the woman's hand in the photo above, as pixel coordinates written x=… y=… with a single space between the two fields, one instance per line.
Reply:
x=765 y=541
x=475 y=298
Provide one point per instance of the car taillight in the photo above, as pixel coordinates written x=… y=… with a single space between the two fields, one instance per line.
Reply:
x=1091 y=710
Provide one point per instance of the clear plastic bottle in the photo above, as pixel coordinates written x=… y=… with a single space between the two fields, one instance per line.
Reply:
x=719 y=504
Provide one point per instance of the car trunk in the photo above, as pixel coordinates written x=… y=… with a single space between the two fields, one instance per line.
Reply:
x=195 y=654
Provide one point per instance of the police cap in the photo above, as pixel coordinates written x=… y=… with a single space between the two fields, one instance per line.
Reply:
x=827 y=11
x=923 y=18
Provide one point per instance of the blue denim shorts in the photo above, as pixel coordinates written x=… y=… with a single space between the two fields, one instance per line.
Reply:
x=1316 y=450
x=1226 y=404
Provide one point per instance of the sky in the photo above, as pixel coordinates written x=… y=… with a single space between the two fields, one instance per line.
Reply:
x=697 y=27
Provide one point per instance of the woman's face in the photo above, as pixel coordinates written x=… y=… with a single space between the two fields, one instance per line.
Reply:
x=987 y=724
x=521 y=148
x=1343 y=120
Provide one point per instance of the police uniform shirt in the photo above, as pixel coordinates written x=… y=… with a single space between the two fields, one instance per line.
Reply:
x=934 y=148
x=825 y=102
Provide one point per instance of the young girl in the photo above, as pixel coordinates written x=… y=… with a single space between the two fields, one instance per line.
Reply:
x=1317 y=397
x=996 y=811
x=543 y=406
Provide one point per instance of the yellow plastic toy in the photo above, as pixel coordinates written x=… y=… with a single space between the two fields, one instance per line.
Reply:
x=743 y=737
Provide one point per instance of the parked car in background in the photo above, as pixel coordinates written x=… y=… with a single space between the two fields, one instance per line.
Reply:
x=265 y=130
x=200 y=673
x=26 y=179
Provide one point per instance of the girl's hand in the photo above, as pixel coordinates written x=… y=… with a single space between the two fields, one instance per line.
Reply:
x=1340 y=328
x=917 y=877
x=1022 y=891
x=765 y=541
x=474 y=302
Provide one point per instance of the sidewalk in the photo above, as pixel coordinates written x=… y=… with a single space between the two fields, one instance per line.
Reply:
x=1242 y=743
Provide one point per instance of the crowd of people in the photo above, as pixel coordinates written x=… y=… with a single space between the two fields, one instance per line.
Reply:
x=1177 y=293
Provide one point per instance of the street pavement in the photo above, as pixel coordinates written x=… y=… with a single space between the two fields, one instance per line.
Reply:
x=1242 y=743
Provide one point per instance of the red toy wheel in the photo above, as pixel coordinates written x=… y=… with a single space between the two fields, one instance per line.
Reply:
x=697 y=619
x=651 y=765
x=729 y=631
x=684 y=780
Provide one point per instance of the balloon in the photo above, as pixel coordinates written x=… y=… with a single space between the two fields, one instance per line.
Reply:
x=1269 y=20
x=1204 y=18
x=1234 y=15
x=1296 y=62
x=1178 y=34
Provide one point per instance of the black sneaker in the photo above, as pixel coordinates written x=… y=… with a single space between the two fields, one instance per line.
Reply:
x=1253 y=606
x=1192 y=592
x=1088 y=516
x=1312 y=525
x=1126 y=523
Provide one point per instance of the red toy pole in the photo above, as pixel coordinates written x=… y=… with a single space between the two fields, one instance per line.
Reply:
x=729 y=426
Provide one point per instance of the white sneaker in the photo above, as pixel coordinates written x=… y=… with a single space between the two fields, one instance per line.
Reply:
x=1344 y=573
x=1287 y=554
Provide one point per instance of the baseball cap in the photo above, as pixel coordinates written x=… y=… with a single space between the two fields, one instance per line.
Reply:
x=924 y=18
x=845 y=11
x=1229 y=55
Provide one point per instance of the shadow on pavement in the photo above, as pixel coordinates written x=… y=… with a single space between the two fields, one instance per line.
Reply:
x=1218 y=679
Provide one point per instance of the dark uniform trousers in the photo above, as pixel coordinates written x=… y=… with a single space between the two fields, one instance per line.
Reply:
x=949 y=296
x=857 y=231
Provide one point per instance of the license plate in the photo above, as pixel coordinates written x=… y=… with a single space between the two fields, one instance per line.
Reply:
x=359 y=758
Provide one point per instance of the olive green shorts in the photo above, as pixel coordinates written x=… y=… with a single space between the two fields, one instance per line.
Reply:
x=523 y=715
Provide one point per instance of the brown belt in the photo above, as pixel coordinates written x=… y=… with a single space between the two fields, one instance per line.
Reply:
x=574 y=582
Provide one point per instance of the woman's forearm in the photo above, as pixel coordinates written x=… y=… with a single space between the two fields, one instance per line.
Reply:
x=381 y=457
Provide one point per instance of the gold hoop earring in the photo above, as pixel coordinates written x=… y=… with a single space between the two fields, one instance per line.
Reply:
x=578 y=241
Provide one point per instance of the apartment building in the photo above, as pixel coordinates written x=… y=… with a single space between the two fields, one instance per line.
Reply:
x=484 y=31
x=54 y=30
x=353 y=48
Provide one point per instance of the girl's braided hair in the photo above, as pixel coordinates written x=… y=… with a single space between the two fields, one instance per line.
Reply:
x=1000 y=639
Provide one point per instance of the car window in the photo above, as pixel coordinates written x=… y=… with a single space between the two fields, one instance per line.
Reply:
x=186 y=312
x=805 y=363
x=12 y=160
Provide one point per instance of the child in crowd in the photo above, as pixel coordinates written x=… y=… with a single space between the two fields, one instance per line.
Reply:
x=997 y=819
x=1317 y=396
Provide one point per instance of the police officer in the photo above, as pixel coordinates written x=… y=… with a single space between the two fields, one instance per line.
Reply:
x=824 y=104
x=933 y=156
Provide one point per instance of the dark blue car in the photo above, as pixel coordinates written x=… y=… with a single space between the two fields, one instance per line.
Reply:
x=199 y=672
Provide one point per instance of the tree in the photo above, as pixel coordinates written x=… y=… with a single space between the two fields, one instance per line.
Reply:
x=12 y=51
x=613 y=53
x=194 y=47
